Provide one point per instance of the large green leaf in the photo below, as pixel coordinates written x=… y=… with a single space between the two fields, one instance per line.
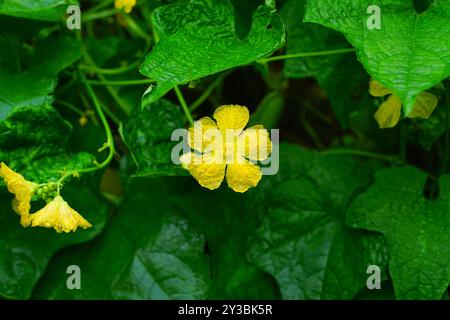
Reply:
x=408 y=54
x=416 y=230
x=48 y=10
x=228 y=220
x=147 y=133
x=341 y=76
x=149 y=251
x=199 y=38
x=33 y=141
x=303 y=241
x=30 y=80
x=25 y=253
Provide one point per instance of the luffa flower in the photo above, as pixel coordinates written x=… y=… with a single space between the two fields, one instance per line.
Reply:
x=388 y=113
x=225 y=148
x=58 y=215
x=126 y=5
x=22 y=189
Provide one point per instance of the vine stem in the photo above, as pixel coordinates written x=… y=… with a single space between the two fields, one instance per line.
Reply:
x=204 y=96
x=99 y=15
x=120 y=82
x=184 y=105
x=109 y=137
x=307 y=54
x=118 y=70
x=360 y=153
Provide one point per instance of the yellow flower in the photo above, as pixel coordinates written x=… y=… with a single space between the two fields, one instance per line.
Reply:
x=388 y=113
x=126 y=5
x=22 y=189
x=226 y=147
x=59 y=215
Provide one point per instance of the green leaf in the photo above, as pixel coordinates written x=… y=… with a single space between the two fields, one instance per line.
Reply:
x=33 y=141
x=47 y=10
x=341 y=76
x=199 y=39
x=228 y=220
x=147 y=133
x=303 y=241
x=415 y=229
x=408 y=54
x=34 y=78
x=149 y=251
x=25 y=253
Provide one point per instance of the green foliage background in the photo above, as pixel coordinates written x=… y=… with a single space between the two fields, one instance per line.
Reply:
x=347 y=195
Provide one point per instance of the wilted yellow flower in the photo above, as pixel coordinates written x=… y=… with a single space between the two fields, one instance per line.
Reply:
x=388 y=113
x=227 y=147
x=126 y=5
x=22 y=189
x=59 y=215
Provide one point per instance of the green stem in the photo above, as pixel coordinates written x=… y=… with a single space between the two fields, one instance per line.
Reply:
x=135 y=28
x=184 y=105
x=111 y=91
x=109 y=137
x=307 y=55
x=70 y=107
x=360 y=153
x=119 y=70
x=204 y=96
x=120 y=82
x=98 y=15
x=99 y=6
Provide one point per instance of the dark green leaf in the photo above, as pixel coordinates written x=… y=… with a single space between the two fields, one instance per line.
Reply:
x=25 y=253
x=303 y=241
x=147 y=134
x=227 y=219
x=340 y=75
x=407 y=54
x=416 y=230
x=149 y=251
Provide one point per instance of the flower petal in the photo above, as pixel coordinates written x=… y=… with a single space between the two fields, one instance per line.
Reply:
x=256 y=142
x=22 y=189
x=376 y=89
x=58 y=215
x=203 y=135
x=231 y=117
x=388 y=113
x=208 y=171
x=424 y=106
x=241 y=177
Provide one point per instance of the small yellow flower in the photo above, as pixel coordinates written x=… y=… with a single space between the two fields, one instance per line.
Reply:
x=59 y=215
x=126 y=5
x=226 y=147
x=22 y=189
x=388 y=113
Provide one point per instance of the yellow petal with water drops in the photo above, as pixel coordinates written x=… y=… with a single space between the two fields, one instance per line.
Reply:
x=388 y=113
x=126 y=5
x=255 y=142
x=242 y=176
x=21 y=188
x=58 y=215
x=204 y=135
x=376 y=89
x=231 y=117
x=424 y=106
x=207 y=169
